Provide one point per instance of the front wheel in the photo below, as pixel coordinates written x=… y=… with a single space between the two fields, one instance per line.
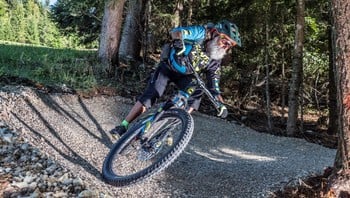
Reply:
x=133 y=158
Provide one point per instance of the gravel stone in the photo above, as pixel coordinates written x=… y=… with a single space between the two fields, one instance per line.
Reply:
x=53 y=145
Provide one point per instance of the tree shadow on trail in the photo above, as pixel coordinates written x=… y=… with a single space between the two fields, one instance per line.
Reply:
x=47 y=99
x=59 y=144
x=73 y=157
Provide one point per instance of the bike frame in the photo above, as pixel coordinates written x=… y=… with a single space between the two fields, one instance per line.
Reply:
x=147 y=122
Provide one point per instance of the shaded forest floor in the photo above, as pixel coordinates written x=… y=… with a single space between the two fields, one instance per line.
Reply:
x=314 y=186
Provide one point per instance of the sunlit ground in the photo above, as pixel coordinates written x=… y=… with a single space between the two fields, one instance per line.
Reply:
x=229 y=155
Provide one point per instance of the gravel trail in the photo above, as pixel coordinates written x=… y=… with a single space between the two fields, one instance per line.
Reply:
x=223 y=159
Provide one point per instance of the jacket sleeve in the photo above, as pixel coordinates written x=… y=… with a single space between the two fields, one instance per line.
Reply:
x=190 y=33
x=213 y=77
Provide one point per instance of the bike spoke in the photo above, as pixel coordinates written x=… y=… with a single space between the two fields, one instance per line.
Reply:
x=139 y=155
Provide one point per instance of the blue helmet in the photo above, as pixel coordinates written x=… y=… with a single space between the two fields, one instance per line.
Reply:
x=230 y=29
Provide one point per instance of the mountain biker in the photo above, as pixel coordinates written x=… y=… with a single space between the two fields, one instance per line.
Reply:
x=205 y=46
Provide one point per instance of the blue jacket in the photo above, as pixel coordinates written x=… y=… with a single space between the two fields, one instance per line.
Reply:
x=192 y=33
x=194 y=37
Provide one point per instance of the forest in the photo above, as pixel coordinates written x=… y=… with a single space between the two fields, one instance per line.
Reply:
x=286 y=79
x=267 y=31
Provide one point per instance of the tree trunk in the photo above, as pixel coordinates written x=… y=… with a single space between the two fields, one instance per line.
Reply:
x=297 y=73
x=284 y=79
x=145 y=34
x=267 y=85
x=190 y=12
x=110 y=35
x=342 y=53
x=332 y=94
x=177 y=15
x=340 y=183
x=130 y=44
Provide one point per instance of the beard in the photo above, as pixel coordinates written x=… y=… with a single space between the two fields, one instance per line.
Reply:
x=214 y=50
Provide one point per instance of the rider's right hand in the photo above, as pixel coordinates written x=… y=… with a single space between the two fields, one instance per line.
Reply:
x=223 y=111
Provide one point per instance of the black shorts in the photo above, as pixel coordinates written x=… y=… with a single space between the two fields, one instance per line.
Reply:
x=159 y=81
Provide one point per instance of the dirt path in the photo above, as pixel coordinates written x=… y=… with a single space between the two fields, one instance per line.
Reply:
x=222 y=159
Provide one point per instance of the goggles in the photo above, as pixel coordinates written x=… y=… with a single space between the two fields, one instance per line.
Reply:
x=225 y=41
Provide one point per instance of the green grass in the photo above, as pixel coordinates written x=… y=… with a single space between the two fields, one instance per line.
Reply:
x=49 y=66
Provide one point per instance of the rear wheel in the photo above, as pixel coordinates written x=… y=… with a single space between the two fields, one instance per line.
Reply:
x=133 y=159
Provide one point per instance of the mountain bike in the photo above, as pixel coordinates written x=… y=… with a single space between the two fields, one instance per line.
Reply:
x=154 y=141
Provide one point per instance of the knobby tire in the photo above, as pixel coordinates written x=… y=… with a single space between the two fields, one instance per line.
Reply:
x=118 y=150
